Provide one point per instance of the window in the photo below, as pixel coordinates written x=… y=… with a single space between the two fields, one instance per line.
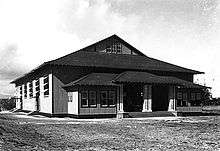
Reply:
x=25 y=91
x=46 y=86
x=184 y=101
x=37 y=88
x=115 y=48
x=70 y=96
x=198 y=96
x=193 y=96
x=30 y=89
x=20 y=91
x=112 y=97
x=179 y=96
x=84 y=99
x=104 y=98
x=92 y=98
x=108 y=98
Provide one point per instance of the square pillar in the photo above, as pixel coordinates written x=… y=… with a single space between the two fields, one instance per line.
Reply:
x=172 y=99
x=120 y=105
x=147 y=105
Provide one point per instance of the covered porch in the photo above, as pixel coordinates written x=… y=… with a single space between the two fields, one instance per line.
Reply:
x=143 y=94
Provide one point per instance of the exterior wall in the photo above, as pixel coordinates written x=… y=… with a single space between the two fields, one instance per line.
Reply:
x=30 y=103
x=61 y=76
x=73 y=107
x=183 y=76
x=46 y=101
x=18 y=96
x=60 y=97
x=98 y=109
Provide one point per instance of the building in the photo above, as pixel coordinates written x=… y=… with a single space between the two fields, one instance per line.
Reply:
x=107 y=79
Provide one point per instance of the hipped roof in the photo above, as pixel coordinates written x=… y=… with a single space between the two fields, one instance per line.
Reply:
x=130 y=77
x=89 y=58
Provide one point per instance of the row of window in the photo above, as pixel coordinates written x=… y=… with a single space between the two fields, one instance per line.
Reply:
x=89 y=98
x=193 y=99
x=115 y=48
x=36 y=88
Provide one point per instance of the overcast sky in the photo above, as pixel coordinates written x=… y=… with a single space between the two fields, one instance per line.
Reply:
x=183 y=32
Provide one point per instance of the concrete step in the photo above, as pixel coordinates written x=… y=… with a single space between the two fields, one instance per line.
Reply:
x=149 y=114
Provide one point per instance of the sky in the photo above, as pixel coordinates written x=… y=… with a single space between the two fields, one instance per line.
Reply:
x=182 y=32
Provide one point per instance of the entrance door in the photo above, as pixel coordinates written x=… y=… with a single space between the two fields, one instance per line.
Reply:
x=133 y=98
x=160 y=98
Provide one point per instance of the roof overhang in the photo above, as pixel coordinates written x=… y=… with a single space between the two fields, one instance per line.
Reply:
x=130 y=77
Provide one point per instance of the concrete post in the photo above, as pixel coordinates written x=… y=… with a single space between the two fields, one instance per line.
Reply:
x=147 y=105
x=172 y=99
x=120 y=105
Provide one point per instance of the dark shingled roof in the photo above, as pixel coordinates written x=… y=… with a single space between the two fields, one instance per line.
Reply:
x=147 y=78
x=134 y=62
x=130 y=77
x=94 y=79
x=86 y=57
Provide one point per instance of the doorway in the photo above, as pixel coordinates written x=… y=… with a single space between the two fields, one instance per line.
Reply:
x=160 y=98
x=133 y=97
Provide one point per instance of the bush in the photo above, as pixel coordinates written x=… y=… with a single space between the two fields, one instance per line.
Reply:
x=7 y=104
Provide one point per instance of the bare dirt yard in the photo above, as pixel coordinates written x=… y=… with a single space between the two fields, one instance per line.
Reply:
x=21 y=132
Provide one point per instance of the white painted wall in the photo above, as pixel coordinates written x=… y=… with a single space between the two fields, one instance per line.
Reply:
x=46 y=101
x=17 y=95
x=73 y=106
x=30 y=103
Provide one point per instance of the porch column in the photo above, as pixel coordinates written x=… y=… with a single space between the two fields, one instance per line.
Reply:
x=120 y=105
x=172 y=99
x=147 y=105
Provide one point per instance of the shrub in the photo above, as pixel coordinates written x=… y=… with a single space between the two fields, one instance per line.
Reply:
x=7 y=104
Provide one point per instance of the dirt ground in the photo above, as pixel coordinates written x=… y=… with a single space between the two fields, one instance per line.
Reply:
x=21 y=132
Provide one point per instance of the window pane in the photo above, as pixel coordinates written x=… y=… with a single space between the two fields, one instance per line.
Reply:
x=70 y=96
x=179 y=96
x=112 y=96
x=104 y=99
x=84 y=99
x=92 y=98
x=198 y=96
x=184 y=96
x=193 y=96
x=46 y=92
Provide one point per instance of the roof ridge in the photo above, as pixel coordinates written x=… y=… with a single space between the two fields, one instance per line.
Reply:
x=80 y=79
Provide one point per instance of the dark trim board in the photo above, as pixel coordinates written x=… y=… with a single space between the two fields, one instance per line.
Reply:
x=92 y=116
x=196 y=114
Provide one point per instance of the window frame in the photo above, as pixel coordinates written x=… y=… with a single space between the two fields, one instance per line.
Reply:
x=30 y=89
x=87 y=99
x=46 y=82
x=113 y=99
x=101 y=102
x=70 y=95
x=37 y=87
x=108 y=105
x=25 y=90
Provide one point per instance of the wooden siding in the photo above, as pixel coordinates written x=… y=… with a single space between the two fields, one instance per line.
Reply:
x=73 y=107
x=60 y=97
x=98 y=109
x=189 y=109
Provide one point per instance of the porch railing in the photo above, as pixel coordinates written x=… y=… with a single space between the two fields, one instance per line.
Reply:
x=189 y=109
